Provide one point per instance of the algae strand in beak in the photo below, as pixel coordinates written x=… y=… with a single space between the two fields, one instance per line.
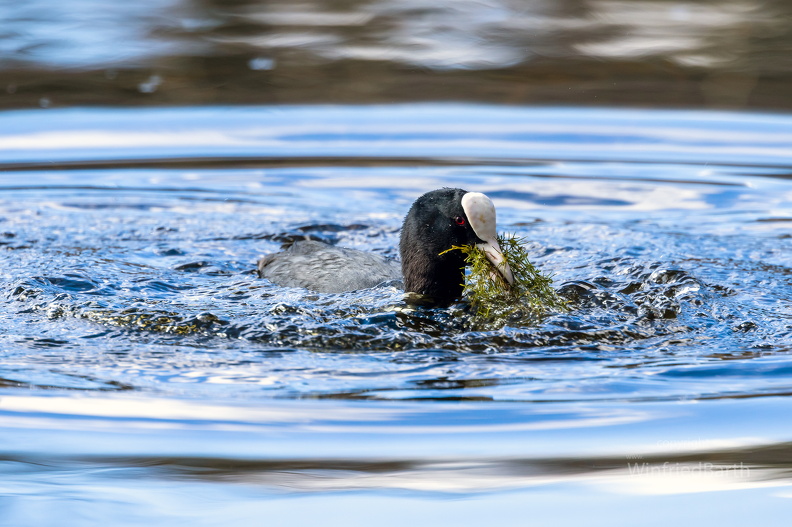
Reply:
x=492 y=297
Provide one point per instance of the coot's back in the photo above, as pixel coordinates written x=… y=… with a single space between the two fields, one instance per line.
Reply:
x=327 y=269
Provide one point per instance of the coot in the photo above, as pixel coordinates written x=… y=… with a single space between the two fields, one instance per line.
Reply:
x=437 y=221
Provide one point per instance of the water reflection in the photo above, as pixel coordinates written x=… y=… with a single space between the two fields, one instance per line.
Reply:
x=462 y=449
x=87 y=34
x=538 y=140
x=728 y=53
x=146 y=370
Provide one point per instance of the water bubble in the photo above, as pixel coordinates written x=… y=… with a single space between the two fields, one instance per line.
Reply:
x=261 y=64
x=151 y=85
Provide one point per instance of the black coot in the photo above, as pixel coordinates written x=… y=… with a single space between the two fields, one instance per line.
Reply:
x=437 y=221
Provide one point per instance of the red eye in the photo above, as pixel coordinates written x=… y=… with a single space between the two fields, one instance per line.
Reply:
x=459 y=220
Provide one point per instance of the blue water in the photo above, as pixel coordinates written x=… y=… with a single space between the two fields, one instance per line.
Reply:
x=149 y=377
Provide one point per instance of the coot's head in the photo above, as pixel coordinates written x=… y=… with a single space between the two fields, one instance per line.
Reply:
x=437 y=221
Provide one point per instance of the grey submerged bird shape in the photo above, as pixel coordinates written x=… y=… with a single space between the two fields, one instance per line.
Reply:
x=436 y=222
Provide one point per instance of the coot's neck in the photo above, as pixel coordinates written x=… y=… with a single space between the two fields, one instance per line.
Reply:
x=439 y=277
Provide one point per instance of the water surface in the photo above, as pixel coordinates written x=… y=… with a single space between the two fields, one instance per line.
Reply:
x=703 y=53
x=149 y=376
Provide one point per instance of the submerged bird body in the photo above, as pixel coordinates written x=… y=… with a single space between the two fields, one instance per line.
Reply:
x=436 y=222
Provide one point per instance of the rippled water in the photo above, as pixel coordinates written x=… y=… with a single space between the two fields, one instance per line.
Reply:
x=667 y=53
x=149 y=375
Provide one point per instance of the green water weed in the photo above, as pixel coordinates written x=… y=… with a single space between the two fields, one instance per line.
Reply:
x=495 y=300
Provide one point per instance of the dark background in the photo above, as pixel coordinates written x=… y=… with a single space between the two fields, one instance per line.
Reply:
x=734 y=54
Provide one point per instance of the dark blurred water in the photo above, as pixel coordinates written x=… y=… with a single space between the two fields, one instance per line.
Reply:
x=724 y=53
